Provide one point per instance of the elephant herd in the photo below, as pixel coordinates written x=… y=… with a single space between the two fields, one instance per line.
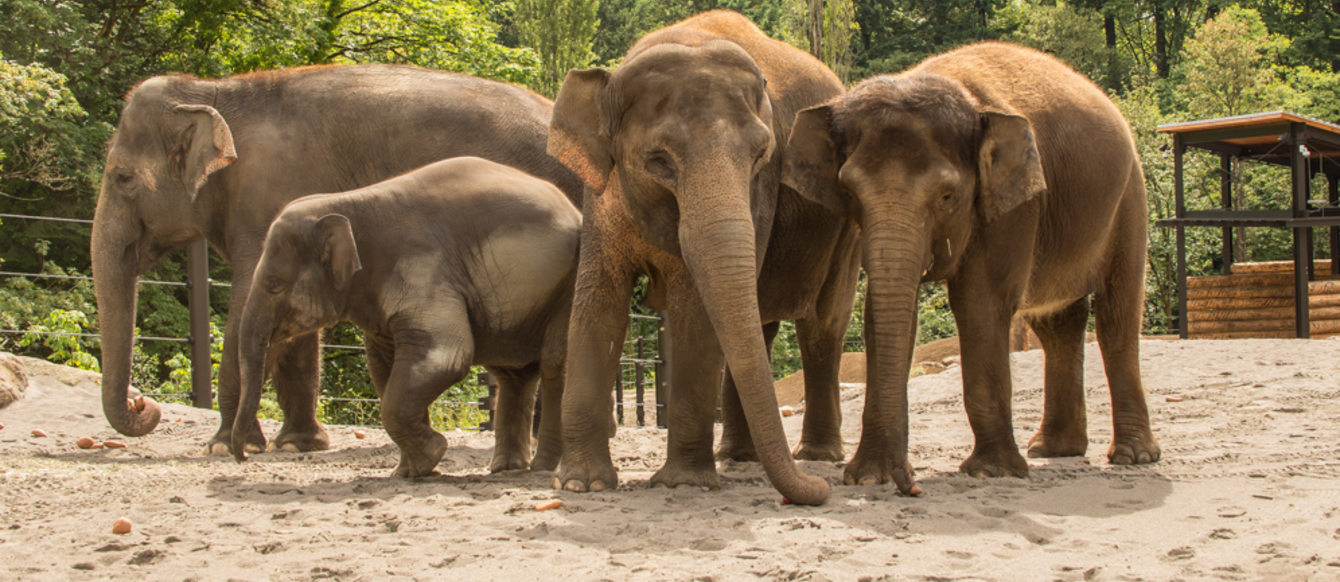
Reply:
x=732 y=170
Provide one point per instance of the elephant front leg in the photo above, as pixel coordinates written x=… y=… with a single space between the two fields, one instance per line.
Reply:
x=515 y=411
x=596 y=332
x=984 y=335
x=1064 y=430
x=695 y=370
x=229 y=384
x=297 y=380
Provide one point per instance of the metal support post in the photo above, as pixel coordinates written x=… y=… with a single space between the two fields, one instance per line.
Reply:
x=1302 y=238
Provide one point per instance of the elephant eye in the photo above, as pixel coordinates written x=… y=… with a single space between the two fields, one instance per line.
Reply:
x=124 y=177
x=659 y=164
x=273 y=285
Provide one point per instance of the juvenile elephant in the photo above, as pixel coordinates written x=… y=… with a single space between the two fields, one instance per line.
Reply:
x=462 y=262
x=1014 y=179
x=218 y=159
x=680 y=150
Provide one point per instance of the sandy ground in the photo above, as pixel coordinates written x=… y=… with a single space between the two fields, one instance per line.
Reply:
x=1248 y=489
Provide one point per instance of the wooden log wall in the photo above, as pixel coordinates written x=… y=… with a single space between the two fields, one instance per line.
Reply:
x=1256 y=301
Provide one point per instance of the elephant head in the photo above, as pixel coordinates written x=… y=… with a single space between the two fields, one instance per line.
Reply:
x=683 y=136
x=166 y=146
x=920 y=163
x=300 y=286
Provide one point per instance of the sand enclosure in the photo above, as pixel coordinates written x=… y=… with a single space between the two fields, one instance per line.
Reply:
x=1248 y=488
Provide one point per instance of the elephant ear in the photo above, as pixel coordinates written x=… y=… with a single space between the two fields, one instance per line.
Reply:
x=208 y=145
x=579 y=131
x=810 y=165
x=339 y=253
x=1008 y=165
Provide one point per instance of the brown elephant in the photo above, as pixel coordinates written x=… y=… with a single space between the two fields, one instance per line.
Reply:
x=218 y=159
x=680 y=149
x=461 y=262
x=999 y=170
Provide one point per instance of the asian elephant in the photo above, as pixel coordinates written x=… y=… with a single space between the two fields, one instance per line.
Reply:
x=680 y=150
x=1002 y=172
x=218 y=159
x=464 y=261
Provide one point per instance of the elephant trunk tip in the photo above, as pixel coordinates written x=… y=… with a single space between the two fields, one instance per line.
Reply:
x=133 y=417
x=239 y=444
x=811 y=491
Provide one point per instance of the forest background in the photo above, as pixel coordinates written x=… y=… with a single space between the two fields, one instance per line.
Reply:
x=65 y=66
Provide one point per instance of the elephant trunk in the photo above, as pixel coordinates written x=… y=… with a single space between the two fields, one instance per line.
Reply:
x=257 y=331
x=116 y=265
x=896 y=256
x=718 y=241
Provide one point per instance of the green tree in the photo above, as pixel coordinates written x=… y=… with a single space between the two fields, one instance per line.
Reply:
x=1229 y=66
x=830 y=26
x=562 y=32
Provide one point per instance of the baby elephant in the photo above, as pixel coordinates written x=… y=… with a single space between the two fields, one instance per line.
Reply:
x=461 y=262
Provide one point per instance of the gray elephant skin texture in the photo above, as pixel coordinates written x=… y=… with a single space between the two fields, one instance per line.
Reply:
x=462 y=262
x=1010 y=177
x=680 y=150
x=218 y=159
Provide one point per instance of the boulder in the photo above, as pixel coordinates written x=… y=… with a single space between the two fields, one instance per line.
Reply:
x=13 y=380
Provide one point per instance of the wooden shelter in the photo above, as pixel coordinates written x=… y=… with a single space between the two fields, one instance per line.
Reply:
x=1308 y=147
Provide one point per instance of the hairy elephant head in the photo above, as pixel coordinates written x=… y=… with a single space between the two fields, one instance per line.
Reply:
x=300 y=286
x=920 y=163
x=684 y=134
x=166 y=146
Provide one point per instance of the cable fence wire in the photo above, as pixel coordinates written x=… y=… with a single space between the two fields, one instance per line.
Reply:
x=639 y=368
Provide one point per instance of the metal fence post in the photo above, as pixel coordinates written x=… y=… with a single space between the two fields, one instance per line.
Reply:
x=197 y=285
x=640 y=392
x=662 y=385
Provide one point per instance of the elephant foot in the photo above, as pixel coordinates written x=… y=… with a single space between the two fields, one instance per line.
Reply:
x=995 y=463
x=1137 y=450
x=581 y=478
x=863 y=470
x=733 y=452
x=508 y=460
x=736 y=449
x=545 y=461
x=674 y=475
x=302 y=440
x=421 y=461
x=831 y=451
x=1047 y=445
x=221 y=444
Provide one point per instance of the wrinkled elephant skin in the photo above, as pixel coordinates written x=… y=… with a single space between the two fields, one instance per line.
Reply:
x=218 y=159
x=462 y=262
x=1015 y=180
x=680 y=150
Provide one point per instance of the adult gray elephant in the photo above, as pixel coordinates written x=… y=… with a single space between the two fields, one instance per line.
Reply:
x=218 y=159
x=461 y=262
x=680 y=150
x=1014 y=179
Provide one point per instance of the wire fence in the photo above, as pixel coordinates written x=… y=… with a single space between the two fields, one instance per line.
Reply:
x=639 y=388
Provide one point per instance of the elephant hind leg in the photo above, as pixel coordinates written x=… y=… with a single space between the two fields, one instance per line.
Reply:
x=1064 y=431
x=297 y=380
x=736 y=442
x=1118 y=316
x=515 y=407
x=426 y=363
x=821 y=355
